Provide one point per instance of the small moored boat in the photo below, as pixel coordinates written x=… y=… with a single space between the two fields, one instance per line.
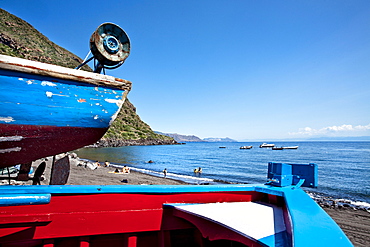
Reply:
x=293 y=147
x=277 y=148
x=266 y=145
x=246 y=147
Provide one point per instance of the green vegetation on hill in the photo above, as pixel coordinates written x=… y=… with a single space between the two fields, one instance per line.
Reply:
x=129 y=126
x=19 y=39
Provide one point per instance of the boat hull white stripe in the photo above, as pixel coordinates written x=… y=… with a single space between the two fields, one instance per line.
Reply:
x=8 y=150
x=10 y=138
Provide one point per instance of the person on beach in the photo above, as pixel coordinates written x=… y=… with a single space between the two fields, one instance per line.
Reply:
x=198 y=171
x=125 y=169
x=37 y=177
x=165 y=172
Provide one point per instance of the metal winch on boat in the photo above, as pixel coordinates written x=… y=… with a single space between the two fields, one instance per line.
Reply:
x=110 y=46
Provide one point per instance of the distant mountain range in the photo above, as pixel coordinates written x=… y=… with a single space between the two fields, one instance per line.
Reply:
x=193 y=138
x=211 y=139
x=181 y=138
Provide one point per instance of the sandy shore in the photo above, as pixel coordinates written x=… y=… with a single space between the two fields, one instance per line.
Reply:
x=101 y=176
x=355 y=223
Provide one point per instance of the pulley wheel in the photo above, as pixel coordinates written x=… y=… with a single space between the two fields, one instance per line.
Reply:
x=110 y=45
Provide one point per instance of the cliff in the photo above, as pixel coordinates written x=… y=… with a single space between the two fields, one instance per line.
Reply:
x=19 y=39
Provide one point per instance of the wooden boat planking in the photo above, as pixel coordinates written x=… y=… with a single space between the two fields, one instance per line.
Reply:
x=37 y=112
x=55 y=71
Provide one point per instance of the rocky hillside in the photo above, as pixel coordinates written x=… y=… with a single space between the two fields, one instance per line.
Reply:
x=128 y=129
x=19 y=39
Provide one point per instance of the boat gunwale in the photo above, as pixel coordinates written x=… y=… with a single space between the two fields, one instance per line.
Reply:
x=301 y=209
x=126 y=189
x=51 y=70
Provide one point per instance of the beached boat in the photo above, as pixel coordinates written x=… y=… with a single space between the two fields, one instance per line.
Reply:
x=47 y=109
x=266 y=145
x=246 y=147
x=279 y=213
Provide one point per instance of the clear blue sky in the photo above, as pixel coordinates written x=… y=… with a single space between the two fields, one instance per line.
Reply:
x=241 y=69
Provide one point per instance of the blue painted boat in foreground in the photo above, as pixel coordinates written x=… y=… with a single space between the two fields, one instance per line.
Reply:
x=279 y=213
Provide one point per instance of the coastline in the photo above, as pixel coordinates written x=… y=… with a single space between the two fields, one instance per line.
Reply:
x=355 y=223
x=140 y=142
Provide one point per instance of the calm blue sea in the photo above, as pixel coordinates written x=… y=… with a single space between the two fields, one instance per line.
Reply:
x=343 y=166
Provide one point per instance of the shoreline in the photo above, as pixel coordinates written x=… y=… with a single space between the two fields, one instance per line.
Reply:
x=355 y=222
x=98 y=176
x=123 y=142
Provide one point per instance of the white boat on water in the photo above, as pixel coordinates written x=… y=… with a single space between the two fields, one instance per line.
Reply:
x=266 y=145
x=246 y=147
x=293 y=147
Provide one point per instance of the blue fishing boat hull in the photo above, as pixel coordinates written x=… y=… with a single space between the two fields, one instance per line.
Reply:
x=43 y=115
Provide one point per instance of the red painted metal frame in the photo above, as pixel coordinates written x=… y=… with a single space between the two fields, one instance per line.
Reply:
x=42 y=141
x=78 y=215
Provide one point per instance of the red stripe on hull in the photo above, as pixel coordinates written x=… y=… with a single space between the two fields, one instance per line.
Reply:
x=20 y=144
x=99 y=215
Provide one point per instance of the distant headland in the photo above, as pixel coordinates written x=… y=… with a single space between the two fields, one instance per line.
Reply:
x=192 y=138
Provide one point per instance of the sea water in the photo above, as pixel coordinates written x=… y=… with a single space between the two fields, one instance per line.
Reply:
x=343 y=166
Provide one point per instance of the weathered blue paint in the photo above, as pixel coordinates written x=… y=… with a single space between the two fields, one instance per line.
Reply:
x=56 y=102
x=24 y=199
